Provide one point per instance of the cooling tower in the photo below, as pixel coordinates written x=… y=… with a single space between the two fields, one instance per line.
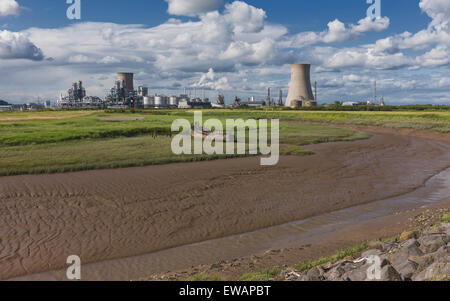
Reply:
x=300 y=87
x=128 y=79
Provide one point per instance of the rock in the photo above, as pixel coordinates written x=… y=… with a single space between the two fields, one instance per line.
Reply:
x=407 y=235
x=445 y=228
x=438 y=271
x=411 y=247
x=335 y=274
x=431 y=242
x=291 y=275
x=388 y=273
x=358 y=274
x=315 y=274
x=406 y=269
x=423 y=261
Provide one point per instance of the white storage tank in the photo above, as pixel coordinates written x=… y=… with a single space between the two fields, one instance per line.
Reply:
x=173 y=101
x=148 y=102
x=160 y=101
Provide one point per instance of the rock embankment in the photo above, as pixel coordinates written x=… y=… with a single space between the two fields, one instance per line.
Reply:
x=415 y=256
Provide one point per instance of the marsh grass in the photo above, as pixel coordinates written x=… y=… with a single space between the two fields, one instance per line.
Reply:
x=446 y=218
x=203 y=277
x=264 y=275
x=333 y=258
x=46 y=142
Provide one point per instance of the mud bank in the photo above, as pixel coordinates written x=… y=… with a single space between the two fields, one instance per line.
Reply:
x=108 y=216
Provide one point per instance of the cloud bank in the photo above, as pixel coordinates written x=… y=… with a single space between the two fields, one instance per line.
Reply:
x=235 y=49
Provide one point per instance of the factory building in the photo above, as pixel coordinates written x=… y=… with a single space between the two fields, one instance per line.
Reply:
x=194 y=103
x=77 y=92
x=76 y=98
x=6 y=108
x=123 y=93
x=250 y=103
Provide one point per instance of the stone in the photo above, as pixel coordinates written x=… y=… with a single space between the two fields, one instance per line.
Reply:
x=431 y=242
x=423 y=261
x=438 y=271
x=388 y=273
x=445 y=228
x=407 y=235
x=358 y=274
x=411 y=247
x=315 y=274
x=406 y=269
x=335 y=274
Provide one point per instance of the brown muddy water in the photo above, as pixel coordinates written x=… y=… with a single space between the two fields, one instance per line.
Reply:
x=130 y=223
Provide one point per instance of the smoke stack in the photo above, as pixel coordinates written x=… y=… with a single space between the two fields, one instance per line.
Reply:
x=300 y=86
x=127 y=79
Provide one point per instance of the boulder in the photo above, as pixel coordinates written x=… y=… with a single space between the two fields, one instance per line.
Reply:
x=357 y=274
x=430 y=243
x=438 y=271
x=315 y=274
x=410 y=247
x=406 y=269
x=388 y=273
x=445 y=228
x=407 y=235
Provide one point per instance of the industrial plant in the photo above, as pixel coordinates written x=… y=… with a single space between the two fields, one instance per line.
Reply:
x=123 y=95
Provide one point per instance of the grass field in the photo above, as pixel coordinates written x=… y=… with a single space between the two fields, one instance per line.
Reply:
x=62 y=141
x=435 y=120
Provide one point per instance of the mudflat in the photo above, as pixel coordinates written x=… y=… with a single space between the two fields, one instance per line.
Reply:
x=110 y=214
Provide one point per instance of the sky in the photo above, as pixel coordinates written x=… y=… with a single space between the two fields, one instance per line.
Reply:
x=230 y=47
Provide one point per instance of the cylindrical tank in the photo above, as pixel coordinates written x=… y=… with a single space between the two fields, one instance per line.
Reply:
x=127 y=79
x=148 y=102
x=160 y=101
x=173 y=101
x=300 y=86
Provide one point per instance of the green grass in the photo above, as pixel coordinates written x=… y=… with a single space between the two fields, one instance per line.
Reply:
x=203 y=277
x=434 y=121
x=336 y=257
x=446 y=218
x=265 y=275
x=49 y=142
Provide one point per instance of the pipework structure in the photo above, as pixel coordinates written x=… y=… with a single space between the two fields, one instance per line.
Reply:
x=300 y=91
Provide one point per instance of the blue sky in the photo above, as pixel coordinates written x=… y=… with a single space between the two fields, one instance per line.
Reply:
x=235 y=47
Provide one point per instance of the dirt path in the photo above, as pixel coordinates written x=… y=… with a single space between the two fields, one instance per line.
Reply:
x=109 y=214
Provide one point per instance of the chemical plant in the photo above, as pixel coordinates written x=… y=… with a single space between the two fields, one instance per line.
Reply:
x=123 y=95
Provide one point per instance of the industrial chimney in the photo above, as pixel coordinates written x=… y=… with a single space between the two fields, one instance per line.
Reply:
x=127 y=79
x=300 y=91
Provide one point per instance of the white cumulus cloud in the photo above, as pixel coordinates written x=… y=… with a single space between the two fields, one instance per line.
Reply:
x=14 y=45
x=192 y=7
x=9 y=7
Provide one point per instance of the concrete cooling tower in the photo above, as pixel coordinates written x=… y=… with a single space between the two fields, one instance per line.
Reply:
x=127 y=79
x=300 y=91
